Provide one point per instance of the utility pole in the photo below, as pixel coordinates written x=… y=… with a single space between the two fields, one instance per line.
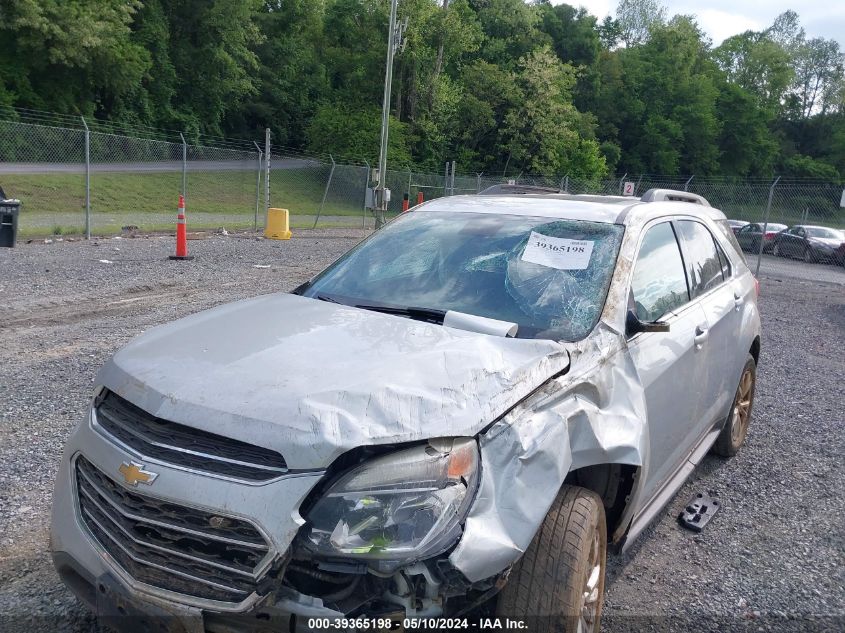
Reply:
x=394 y=41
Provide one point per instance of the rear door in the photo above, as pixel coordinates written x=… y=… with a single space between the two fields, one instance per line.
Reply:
x=708 y=274
x=668 y=363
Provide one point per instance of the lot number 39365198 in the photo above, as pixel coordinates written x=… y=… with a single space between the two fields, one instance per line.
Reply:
x=557 y=252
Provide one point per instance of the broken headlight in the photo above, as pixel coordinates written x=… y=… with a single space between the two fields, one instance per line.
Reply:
x=405 y=505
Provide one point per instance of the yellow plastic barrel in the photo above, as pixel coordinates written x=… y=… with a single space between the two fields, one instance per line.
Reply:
x=278 y=224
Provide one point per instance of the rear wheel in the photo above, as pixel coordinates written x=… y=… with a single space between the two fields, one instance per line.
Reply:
x=559 y=581
x=776 y=250
x=736 y=427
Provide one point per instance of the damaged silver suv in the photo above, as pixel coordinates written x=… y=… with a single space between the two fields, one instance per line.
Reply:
x=459 y=416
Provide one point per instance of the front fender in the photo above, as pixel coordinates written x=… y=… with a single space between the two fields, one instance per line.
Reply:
x=594 y=415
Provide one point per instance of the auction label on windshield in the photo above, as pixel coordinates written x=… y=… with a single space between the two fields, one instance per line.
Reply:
x=558 y=252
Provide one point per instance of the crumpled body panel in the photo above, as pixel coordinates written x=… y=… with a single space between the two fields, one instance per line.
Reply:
x=592 y=415
x=313 y=379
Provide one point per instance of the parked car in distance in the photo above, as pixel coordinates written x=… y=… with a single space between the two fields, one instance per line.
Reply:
x=736 y=225
x=749 y=236
x=468 y=408
x=811 y=243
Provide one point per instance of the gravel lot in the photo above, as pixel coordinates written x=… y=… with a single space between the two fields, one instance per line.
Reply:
x=772 y=558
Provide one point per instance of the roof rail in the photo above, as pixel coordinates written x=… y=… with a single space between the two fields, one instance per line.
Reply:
x=497 y=190
x=673 y=195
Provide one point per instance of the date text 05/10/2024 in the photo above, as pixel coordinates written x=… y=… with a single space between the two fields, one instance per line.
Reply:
x=481 y=624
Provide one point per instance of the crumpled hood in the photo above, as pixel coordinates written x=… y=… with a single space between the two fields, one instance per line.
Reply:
x=313 y=379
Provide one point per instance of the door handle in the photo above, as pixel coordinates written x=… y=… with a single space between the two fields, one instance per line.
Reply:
x=701 y=335
x=738 y=300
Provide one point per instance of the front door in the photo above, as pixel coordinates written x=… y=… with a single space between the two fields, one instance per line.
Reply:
x=669 y=363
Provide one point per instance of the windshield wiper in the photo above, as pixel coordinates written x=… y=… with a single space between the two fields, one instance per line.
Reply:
x=328 y=299
x=430 y=315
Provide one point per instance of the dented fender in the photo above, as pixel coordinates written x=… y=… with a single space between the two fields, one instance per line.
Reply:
x=594 y=414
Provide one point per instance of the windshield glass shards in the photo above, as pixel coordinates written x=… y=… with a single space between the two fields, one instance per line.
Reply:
x=549 y=276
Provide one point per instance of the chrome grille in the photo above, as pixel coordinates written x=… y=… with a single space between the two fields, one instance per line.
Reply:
x=167 y=545
x=185 y=446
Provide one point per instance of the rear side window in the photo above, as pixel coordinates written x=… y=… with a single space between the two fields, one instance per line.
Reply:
x=726 y=264
x=704 y=268
x=728 y=234
x=660 y=284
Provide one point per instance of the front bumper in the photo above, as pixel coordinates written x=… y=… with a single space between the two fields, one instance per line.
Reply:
x=97 y=577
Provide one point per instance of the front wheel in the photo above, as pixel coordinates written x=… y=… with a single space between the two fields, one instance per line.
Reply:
x=559 y=581
x=736 y=426
x=808 y=256
x=776 y=250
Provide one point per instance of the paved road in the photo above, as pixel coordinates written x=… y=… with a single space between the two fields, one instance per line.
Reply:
x=778 y=267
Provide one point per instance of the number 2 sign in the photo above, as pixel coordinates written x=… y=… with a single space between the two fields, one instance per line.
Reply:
x=628 y=189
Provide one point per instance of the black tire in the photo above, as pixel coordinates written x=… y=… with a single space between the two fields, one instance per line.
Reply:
x=808 y=255
x=736 y=426
x=776 y=250
x=563 y=566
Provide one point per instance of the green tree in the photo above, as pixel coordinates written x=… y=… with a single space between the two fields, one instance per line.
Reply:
x=211 y=48
x=759 y=65
x=349 y=132
x=510 y=29
x=68 y=56
x=658 y=102
x=291 y=80
x=637 y=18
x=544 y=133
x=746 y=143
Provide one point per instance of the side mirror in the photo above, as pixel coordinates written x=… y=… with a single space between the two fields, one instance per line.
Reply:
x=633 y=325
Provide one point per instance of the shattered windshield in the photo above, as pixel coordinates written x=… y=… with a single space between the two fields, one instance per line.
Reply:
x=548 y=276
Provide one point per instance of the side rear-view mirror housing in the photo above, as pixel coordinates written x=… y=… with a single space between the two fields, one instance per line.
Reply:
x=633 y=325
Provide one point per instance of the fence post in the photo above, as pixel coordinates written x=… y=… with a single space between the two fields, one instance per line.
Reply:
x=639 y=180
x=257 y=185
x=454 y=164
x=478 y=182
x=266 y=174
x=765 y=225
x=87 y=180
x=622 y=182
x=446 y=181
x=184 y=167
x=410 y=177
x=686 y=184
x=325 y=193
x=366 y=187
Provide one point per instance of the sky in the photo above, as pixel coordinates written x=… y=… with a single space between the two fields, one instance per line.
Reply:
x=722 y=18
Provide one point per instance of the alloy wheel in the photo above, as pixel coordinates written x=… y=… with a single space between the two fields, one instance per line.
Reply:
x=742 y=406
x=592 y=587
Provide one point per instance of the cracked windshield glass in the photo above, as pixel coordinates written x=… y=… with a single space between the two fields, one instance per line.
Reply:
x=548 y=276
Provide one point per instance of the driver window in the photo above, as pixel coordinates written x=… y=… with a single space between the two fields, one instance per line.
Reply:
x=659 y=284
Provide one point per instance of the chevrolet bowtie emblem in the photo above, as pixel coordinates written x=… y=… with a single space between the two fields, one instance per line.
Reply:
x=133 y=473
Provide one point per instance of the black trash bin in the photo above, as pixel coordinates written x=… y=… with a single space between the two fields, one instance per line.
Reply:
x=9 y=210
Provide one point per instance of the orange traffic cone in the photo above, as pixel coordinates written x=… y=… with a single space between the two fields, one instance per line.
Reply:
x=181 y=233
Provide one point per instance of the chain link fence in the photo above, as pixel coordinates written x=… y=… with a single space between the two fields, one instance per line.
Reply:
x=76 y=177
